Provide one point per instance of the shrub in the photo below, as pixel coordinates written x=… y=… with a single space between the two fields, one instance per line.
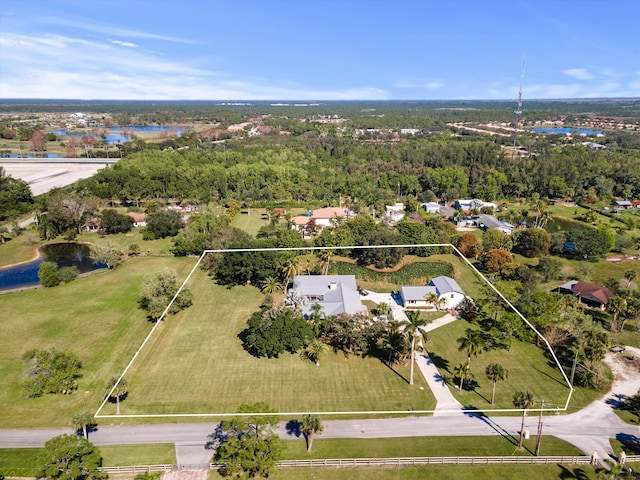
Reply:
x=48 y=274
x=68 y=274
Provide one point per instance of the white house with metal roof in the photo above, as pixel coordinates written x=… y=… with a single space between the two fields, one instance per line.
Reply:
x=334 y=293
x=448 y=292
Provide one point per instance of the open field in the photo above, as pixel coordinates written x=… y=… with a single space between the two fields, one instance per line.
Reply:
x=444 y=472
x=250 y=222
x=96 y=317
x=196 y=364
x=529 y=369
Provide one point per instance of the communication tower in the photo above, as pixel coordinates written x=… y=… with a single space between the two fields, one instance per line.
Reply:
x=518 y=110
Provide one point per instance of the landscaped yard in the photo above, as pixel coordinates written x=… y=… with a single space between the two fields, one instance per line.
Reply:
x=528 y=367
x=95 y=317
x=196 y=364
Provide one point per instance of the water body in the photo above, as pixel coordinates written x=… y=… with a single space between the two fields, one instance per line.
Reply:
x=64 y=254
x=567 y=130
x=34 y=155
x=120 y=135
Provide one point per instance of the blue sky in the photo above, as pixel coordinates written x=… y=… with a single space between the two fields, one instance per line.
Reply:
x=318 y=50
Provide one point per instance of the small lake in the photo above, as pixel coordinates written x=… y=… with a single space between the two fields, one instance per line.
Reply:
x=64 y=254
x=567 y=130
x=119 y=134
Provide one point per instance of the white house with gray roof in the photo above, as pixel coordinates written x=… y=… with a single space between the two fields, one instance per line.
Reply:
x=334 y=293
x=446 y=289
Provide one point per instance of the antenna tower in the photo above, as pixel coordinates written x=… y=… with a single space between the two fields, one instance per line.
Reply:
x=518 y=110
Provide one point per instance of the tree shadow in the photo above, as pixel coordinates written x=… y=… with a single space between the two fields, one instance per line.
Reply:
x=293 y=428
x=617 y=400
x=386 y=364
x=215 y=438
x=577 y=473
x=491 y=423
x=552 y=378
x=123 y=397
x=439 y=362
x=631 y=443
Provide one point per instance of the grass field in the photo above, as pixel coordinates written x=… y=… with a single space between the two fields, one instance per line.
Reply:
x=196 y=364
x=528 y=367
x=443 y=472
x=495 y=445
x=21 y=461
x=250 y=222
x=95 y=317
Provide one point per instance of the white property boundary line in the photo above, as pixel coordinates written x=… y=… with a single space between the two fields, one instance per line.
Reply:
x=364 y=412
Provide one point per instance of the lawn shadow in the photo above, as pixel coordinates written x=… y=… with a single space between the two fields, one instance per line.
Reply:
x=293 y=428
x=491 y=423
x=552 y=378
x=439 y=362
x=577 y=473
x=386 y=364
x=631 y=443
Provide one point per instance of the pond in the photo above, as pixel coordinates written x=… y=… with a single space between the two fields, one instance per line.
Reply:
x=64 y=254
x=566 y=130
x=116 y=135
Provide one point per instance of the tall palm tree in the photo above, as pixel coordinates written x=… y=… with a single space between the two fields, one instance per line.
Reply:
x=523 y=400
x=309 y=426
x=432 y=299
x=119 y=392
x=395 y=342
x=630 y=275
x=617 y=306
x=82 y=421
x=472 y=343
x=325 y=257
x=495 y=372
x=414 y=327
x=289 y=270
x=460 y=372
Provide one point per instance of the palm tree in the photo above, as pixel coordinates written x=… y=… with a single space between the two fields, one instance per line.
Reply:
x=82 y=421
x=495 y=372
x=314 y=351
x=617 y=306
x=523 y=400
x=120 y=391
x=316 y=318
x=630 y=275
x=289 y=270
x=395 y=342
x=432 y=299
x=309 y=426
x=472 y=343
x=414 y=327
x=271 y=285
x=325 y=257
x=460 y=372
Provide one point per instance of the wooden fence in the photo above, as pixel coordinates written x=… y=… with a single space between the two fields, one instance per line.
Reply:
x=387 y=462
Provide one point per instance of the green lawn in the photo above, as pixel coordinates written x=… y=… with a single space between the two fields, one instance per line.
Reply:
x=443 y=472
x=494 y=445
x=250 y=222
x=195 y=364
x=21 y=461
x=528 y=369
x=20 y=249
x=96 y=317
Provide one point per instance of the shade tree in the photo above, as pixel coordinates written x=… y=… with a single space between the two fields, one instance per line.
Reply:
x=70 y=457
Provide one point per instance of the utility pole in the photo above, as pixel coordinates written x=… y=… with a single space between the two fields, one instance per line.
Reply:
x=518 y=110
x=539 y=435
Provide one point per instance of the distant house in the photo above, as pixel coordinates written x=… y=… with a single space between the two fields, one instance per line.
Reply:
x=138 y=219
x=319 y=219
x=622 y=205
x=448 y=292
x=92 y=224
x=431 y=207
x=489 y=221
x=467 y=205
x=588 y=294
x=334 y=293
x=635 y=203
x=394 y=212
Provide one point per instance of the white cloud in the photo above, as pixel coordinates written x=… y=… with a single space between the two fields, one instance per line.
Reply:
x=579 y=73
x=428 y=85
x=124 y=44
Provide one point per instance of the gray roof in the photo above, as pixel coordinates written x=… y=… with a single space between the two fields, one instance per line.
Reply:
x=335 y=293
x=417 y=293
x=445 y=285
x=490 y=221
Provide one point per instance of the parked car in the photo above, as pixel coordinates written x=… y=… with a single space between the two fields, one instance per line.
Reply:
x=617 y=348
